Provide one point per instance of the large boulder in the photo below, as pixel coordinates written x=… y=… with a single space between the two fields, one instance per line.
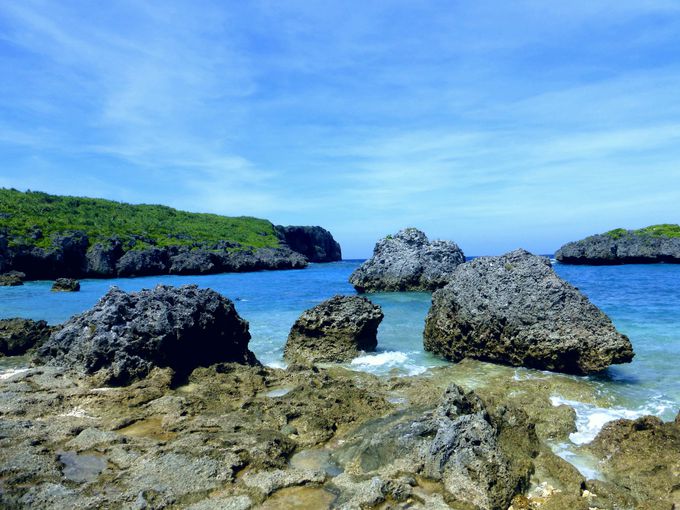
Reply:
x=125 y=335
x=644 y=246
x=336 y=330
x=19 y=335
x=458 y=444
x=515 y=310
x=315 y=243
x=407 y=261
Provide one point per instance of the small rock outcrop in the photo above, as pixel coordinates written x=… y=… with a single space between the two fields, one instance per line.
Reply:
x=515 y=310
x=17 y=336
x=65 y=285
x=659 y=243
x=315 y=243
x=334 y=331
x=12 y=279
x=457 y=444
x=407 y=261
x=125 y=335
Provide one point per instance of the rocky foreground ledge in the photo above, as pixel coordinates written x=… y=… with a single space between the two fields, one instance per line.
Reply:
x=187 y=418
x=658 y=243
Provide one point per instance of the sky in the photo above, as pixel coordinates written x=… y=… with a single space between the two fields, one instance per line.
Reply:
x=495 y=124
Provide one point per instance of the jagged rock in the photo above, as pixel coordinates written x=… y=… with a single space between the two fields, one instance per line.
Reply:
x=407 y=261
x=66 y=285
x=315 y=243
x=279 y=258
x=515 y=310
x=125 y=335
x=193 y=262
x=19 y=335
x=456 y=444
x=102 y=257
x=642 y=456
x=621 y=247
x=336 y=330
x=143 y=262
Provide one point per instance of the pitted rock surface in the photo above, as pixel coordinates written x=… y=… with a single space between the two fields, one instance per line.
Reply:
x=336 y=330
x=125 y=335
x=515 y=310
x=407 y=261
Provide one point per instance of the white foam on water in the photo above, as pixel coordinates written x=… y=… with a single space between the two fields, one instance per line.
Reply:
x=590 y=418
x=589 y=422
x=385 y=361
x=383 y=358
x=12 y=372
x=276 y=364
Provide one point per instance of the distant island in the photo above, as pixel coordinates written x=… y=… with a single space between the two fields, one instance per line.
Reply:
x=653 y=244
x=49 y=236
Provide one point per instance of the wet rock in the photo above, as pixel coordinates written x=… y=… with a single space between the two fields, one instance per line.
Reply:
x=407 y=261
x=223 y=502
x=456 y=444
x=125 y=335
x=17 y=336
x=642 y=456
x=80 y=468
x=266 y=482
x=66 y=285
x=147 y=262
x=336 y=330
x=315 y=243
x=515 y=310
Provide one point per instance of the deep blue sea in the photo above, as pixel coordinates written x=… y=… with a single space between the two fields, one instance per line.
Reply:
x=642 y=300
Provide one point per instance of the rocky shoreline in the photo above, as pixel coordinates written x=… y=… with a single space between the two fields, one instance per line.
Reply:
x=238 y=436
x=153 y=400
x=71 y=254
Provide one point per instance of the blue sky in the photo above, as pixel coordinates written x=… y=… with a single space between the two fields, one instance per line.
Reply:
x=496 y=124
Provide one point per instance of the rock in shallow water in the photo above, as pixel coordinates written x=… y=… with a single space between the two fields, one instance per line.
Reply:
x=125 y=335
x=334 y=331
x=65 y=285
x=407 y=261
x=515 y=310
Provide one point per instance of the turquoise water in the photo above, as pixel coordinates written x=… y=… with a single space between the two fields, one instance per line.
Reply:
x=642 y=300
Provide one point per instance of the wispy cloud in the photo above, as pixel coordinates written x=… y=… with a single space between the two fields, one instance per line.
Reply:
x=490 y=122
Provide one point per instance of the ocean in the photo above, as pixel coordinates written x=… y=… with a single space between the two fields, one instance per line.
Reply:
x=643 y=301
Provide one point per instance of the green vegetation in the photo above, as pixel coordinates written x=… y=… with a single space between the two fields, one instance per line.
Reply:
x=663 y=230
x=23 y=215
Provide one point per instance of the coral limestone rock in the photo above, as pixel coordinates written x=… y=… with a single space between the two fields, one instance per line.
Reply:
x=515 y=310
x=407 y=261
x=337 y=330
